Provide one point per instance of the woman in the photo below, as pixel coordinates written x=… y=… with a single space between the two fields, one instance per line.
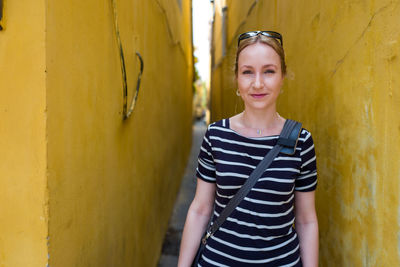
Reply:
x=276 y=224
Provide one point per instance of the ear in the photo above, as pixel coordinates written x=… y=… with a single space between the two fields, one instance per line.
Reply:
x=282 y=81
x=283 y=75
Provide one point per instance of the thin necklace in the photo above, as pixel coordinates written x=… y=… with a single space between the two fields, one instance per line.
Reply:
x=259 y=131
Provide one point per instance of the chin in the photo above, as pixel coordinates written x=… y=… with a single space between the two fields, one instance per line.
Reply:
x=259 y=107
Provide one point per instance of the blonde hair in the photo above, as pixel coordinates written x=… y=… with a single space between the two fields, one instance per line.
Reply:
x=273 y=43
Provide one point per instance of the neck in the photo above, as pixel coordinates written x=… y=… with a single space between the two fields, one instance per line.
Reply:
x=260 y=119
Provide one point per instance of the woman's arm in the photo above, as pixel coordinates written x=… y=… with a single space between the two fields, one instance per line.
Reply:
x=198 y=216
x=306 y=224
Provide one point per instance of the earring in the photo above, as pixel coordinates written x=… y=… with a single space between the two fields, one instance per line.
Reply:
x=281 y=92
x=237 y=92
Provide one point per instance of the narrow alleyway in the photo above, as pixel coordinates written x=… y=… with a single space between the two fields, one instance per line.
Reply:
x=169 y=257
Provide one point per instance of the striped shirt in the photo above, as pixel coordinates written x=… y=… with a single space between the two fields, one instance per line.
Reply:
x=259 y=232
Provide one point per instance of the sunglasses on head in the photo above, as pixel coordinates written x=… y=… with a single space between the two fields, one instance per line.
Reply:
x=272 y=34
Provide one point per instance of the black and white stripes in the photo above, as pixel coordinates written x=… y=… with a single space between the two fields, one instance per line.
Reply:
x=260 y=231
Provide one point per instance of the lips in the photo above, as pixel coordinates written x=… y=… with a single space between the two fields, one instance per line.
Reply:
x=258 y=95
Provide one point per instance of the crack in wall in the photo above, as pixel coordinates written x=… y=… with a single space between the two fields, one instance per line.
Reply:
x=174 y=41
x=253 y=5
x=233 y=40
x=340 y=61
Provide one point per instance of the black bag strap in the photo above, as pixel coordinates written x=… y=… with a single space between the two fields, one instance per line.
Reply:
x=286 y=144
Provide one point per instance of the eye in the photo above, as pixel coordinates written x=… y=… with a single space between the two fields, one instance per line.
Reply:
x=246 y=72
x=269 y=71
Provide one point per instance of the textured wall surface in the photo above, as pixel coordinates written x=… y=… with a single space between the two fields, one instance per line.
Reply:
x=23 y=211
x=112 y=182
x=79 y=186
x=343 y=84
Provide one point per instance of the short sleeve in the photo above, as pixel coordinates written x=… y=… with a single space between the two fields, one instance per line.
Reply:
x=307 y=180
x=206 y=166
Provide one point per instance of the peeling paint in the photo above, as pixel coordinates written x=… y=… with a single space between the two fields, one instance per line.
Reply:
x=398 y=223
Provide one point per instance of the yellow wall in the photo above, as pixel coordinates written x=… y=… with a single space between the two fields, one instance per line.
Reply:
x=113 y=183
x=100 y=188
x=343 y=84
x=23 y=210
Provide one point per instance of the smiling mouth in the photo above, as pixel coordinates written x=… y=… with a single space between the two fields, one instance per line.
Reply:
x=258 y=95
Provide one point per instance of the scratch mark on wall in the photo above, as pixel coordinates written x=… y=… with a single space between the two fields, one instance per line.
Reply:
x=249 y=12
x=340 y=61
x=174 y=41
x=237 y=31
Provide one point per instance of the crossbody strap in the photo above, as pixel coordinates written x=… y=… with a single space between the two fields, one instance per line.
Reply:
x=287 y=142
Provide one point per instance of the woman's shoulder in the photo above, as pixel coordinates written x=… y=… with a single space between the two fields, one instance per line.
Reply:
x=305 y=135
x=303 y=132
x=223 y=123
x=218 y=128
x=226 y=122
x=305 y=138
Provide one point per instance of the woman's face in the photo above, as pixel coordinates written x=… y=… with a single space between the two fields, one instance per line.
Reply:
x=259 y=76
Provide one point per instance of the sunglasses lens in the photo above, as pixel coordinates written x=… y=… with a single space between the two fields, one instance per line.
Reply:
x=274 y=35
x=271 y=34
x=247 y=35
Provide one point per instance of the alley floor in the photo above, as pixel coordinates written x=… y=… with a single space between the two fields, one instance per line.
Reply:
x=170 y=250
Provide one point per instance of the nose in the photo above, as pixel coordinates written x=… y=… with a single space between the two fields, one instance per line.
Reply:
x=258 y=82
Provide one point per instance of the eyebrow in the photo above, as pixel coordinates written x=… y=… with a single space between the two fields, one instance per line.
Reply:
x=264 y=66
x=270 y=65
